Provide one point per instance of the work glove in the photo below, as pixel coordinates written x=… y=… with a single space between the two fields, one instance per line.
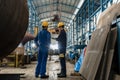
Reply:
x=61 y=55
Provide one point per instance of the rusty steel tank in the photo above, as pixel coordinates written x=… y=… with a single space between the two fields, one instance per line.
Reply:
x=13 y=24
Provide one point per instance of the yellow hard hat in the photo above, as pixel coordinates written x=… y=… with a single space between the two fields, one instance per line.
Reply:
x=45 y=23
x=60 y=24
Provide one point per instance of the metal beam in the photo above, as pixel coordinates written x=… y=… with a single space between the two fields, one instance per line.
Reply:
x=33 y=6
x=54 y=24
x=46 y=17
x=101 y=4
x=53 y=16
x=45 y=5
x=66 y=17
x=56 y=10
x=60 y=20
x=65 y=21
x=69 y=5
x=66 y=24
x=46 y=12
x=33 y=11
x=67 y=12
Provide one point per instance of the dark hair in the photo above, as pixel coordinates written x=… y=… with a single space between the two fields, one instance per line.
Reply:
x=43 y=27
x=62 y=26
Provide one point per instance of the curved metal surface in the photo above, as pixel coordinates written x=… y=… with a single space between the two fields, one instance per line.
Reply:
x=13 y=24
x=27 y=37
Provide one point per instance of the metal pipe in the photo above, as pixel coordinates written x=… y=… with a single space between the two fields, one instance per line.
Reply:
x=13 y=24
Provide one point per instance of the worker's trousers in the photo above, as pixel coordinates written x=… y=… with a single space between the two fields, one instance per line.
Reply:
x=42 y=61
x=63 y=63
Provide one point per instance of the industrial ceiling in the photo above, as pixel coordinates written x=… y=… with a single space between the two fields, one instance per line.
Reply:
x=54 y=11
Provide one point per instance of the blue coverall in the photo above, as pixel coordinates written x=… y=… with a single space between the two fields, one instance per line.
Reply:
x=42 y=40
x=62 y=41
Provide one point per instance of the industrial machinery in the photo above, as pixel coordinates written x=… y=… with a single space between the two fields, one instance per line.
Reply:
x=73 y=56
x=13 y=24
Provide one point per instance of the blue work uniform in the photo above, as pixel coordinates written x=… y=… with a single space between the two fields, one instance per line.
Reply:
x=62 y=42
x=42 y=40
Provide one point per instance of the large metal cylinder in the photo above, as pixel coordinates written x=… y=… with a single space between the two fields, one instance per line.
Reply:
x=13 y=24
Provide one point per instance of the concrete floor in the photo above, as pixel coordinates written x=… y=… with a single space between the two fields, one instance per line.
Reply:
x=53 y=67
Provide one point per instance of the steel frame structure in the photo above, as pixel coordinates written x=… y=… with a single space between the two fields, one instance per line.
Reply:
x=85 y=21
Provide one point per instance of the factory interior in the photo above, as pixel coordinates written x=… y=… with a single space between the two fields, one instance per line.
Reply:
x=92 y=39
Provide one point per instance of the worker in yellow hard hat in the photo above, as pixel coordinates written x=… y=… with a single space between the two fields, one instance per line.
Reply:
x=62 y=40
x=60 y=24
x=43 y=41
x=45 y=24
